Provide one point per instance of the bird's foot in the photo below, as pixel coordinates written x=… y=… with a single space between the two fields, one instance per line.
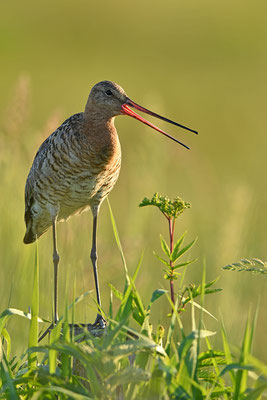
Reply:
x=100 y=321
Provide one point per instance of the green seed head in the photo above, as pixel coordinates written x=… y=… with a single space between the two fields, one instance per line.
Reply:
x=170 y=208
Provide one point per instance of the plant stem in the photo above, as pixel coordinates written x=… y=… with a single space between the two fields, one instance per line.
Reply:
x=171 y=232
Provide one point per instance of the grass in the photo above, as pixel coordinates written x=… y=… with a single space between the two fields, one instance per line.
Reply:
x=202 y=65
x=133 y=358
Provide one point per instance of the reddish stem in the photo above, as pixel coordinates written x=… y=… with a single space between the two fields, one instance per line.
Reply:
x=171 y=232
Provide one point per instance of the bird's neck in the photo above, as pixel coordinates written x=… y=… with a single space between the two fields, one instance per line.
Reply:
x=101 y=132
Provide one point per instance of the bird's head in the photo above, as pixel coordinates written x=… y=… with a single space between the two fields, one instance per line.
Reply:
x=109 y=99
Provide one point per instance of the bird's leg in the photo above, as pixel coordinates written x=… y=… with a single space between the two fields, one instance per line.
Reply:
x=99 y=318
x=56 y=262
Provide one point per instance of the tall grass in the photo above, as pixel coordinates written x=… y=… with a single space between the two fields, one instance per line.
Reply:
x=200 y=64
x=133 y=358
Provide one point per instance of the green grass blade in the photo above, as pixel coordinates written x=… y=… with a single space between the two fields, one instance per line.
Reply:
x=65 y=358
x=52 y=355
x=117 y=238
x=227 y=351
x=241 y=375
x=126 y=303
x=73 y=309
x=7 y=339
x=259 y=365
x=68 y=394
x=33 y=334
x=110 y=311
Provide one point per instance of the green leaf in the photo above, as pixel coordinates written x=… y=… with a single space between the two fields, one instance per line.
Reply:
x=184 y=263
x=238 y=367
x=33 y=334
x=128 y=375
x=7 y=338
x=157 y=294
x=42 y=393
x=207 y=285
x=162 y=260
x=126 y=303
x=165 y=247
x=177 y=247
x=189 y=299
x=139 y=318
x=116 y=292
x=6 y=314
x=183 y=250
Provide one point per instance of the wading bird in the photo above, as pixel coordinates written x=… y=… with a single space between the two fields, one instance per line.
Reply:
x=77 y=166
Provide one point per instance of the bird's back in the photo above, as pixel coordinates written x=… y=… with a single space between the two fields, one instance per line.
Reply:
x=71 y=171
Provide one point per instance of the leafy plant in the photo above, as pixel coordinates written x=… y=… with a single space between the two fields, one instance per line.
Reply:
x=171 y=209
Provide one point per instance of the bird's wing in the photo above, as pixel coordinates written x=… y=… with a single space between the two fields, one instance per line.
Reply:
x=40 y=157
x=33 y=176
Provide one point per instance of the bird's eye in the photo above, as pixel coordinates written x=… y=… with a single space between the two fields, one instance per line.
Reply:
x=109 y=92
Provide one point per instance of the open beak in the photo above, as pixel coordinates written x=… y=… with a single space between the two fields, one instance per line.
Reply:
x=128 y=111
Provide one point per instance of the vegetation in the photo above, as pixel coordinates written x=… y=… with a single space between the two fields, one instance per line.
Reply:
x=132 y=358
x=202 y=64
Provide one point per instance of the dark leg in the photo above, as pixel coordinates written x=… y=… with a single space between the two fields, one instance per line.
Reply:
x=56 y=261
x=99 y=317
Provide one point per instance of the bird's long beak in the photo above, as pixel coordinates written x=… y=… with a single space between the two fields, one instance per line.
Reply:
x=128 y=111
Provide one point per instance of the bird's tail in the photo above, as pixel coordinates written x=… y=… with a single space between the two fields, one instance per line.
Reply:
x=29 y=237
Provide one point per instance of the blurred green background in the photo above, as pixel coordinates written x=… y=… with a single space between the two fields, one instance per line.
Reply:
x=202 y=64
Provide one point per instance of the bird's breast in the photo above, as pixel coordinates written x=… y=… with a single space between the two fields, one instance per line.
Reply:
x=89 y=176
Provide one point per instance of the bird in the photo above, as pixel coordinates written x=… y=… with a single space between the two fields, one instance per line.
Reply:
x=75 y=169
